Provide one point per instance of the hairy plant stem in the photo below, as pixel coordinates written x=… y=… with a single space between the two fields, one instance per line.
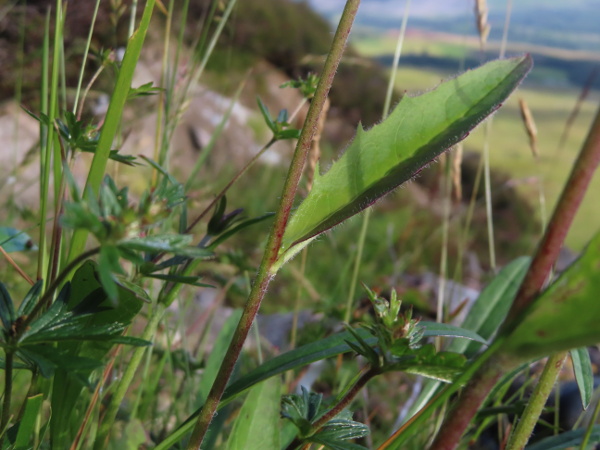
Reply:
x=346 y=398
x=519 y=437
x=546 y=255
x=8 y=374
x=265 y=272
x=469 y=402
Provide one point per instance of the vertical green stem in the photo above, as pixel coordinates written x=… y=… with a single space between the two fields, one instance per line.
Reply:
x=48 y=148
x=488 y=194
x=518 y=439
x=128 y=375
x=590 y=427
x=345 y=401
x=8 y=374
x=265 y=271
x=447 y=199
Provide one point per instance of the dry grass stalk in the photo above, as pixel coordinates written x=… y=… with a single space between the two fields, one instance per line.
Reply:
x=530 y=127
x=457 y=157
x=483 y=27
x=585 y=91
x=315 y=151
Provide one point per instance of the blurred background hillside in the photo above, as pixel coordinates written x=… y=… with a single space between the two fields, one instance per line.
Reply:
x=282 y=39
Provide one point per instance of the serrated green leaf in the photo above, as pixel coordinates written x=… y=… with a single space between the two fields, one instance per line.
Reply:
x=257 y=425
x=566 y=315
x=13 y=240
x=584 y=374
x=336 y=431
x=414 y=134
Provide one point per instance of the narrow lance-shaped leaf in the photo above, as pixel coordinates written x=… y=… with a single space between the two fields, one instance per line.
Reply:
x=415 y=133
x=257 y=425
x=584 y=374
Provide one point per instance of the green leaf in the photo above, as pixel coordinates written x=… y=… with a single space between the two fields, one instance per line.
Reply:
x=239 y=227
x=28 y=422
x=492 y=305
x=13 y=240
x=566 y=315
x=133 y=288
x=192 y=281
x=87 y=297
x=484 y=318
x=108 y=262
x=584 y=374
x=266 y=115
x=299 y=357
x=220 y=346
x=413 y=135
x=143 y=91
x=172 y=243
x=336 y=431
x=7 y=308
x=439 y=371
x=568 y=439
x=445 y=329
x=257 y=425
x=28 y=302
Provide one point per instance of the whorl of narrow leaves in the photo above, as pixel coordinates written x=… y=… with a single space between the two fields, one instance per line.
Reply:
x=416 y=132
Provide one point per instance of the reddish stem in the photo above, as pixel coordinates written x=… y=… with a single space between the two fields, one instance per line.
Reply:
x=486 y=377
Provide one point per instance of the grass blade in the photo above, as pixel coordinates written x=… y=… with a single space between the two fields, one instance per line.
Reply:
x=582 y=366
x=113 y=118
